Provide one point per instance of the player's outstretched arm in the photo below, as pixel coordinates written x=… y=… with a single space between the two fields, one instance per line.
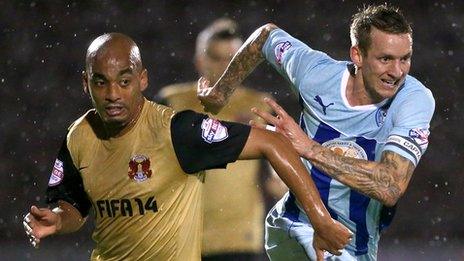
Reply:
x=42 y=222
x=330 y=235
x=213 y=98
x=385 y=181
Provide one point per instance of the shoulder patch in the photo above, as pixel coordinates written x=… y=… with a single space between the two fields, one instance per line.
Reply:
x=213 y=130
x=57 y=174
x=420 y=136
x=280 y=50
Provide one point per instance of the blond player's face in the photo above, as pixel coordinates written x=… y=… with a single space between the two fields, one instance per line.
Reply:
x=115 y=85
x=386 y=64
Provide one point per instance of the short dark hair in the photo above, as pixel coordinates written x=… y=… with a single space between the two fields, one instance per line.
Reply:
x=220 y=29
x=385 y=18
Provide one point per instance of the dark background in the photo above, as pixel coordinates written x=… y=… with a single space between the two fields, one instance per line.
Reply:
x=42 y=49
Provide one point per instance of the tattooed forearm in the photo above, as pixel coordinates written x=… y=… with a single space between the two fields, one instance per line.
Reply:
x=245 y=61
x=385 y=181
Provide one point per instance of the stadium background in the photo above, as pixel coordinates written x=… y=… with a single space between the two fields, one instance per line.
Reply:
x=42 y=48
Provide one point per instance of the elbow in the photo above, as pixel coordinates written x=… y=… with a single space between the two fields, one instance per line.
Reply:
x=392 y=198
x=390 y=202
x=264 y=31
x=267 y=28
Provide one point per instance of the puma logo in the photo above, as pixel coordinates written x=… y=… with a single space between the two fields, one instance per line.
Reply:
x=324 y=107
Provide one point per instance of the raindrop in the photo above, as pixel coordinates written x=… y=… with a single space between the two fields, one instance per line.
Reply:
x=327 y=37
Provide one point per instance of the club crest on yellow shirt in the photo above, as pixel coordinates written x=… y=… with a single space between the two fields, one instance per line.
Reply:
x=139 y=168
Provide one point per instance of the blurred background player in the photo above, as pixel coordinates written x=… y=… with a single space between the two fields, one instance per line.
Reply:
x=235 y=192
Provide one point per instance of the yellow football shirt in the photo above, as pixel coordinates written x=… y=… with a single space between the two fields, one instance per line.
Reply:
x=146 y=205
x=233 y=202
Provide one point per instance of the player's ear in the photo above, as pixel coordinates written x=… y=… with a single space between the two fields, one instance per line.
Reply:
x=356 y=55
x=143 y=80
x=85 y=82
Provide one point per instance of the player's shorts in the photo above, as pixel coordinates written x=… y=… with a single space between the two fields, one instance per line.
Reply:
x=292 y=240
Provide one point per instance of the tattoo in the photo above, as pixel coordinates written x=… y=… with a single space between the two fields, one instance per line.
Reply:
x=245 y=61
x=385 y=181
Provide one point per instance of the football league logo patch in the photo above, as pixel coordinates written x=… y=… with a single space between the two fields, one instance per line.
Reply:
x=139 y=168
x=57 y=174
x=213 y=131
x=280 y=50
x=420 y=136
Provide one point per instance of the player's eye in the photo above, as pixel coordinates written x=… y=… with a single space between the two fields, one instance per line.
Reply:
x=405 y=59
x=99 y=82
x=125 y=82
x=384 y=59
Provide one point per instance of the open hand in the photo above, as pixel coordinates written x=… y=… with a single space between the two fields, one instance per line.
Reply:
x=40 y=223
x=285 y=125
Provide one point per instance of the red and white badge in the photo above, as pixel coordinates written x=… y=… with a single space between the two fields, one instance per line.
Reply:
x=57 y=174
x=139 y=168
x=213 y=131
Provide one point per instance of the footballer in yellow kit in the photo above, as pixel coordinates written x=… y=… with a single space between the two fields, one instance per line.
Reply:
x=233 y=193
x=136 y=183
x=136 y=163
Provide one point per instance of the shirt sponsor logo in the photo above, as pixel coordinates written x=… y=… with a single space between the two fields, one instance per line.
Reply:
x=57 y=173
x=139 y=168
x=280 y=49
x=126 y=207
x=346 y=148
x=213 y=131
x=380 y=116
x=421 y=136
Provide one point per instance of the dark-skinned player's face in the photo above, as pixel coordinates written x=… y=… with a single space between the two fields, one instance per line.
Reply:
x=115 y=83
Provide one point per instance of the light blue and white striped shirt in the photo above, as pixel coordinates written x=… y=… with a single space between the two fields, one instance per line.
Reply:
x=400 y=124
